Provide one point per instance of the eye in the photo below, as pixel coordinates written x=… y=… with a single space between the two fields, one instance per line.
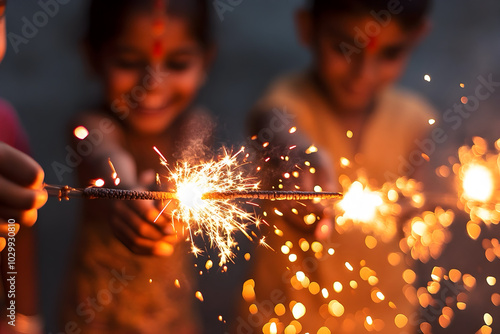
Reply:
x=130 y=64
x=178 y=65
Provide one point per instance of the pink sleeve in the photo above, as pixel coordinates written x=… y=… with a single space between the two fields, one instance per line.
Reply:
x=11 y=131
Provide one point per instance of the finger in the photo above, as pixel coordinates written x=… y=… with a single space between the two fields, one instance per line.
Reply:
x=8 y=229
x=147 y=211
x=137 y=244
x=3 y=242
x=138 y=224
x=24 y=217
x=20 y=198
x=20 y=168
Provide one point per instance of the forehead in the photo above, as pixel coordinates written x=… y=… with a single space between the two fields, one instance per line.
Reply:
x=353 y=28
x=144 y=29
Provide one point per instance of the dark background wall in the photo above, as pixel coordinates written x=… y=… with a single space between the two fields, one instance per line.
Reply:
x=47 y=81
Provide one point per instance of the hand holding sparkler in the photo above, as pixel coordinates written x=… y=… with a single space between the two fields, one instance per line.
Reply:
x=141 y=228
x=21 y=190
x=140 y=225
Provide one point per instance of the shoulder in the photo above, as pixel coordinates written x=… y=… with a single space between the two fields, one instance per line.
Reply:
x=8 y=115
x=282 y=100
x=11 y=130
x=285 y=89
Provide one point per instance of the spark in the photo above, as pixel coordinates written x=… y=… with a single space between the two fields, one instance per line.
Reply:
x=218 y=219
x=81 y=132
x=478 y=176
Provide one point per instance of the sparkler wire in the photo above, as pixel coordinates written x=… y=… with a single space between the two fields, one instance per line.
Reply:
x=66 y=192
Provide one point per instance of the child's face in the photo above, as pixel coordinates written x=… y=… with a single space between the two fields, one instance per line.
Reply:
x=354 y=71
x=152 y=71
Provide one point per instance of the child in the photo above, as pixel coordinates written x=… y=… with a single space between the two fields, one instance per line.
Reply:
x=21 y=178
x=346 y=106
x=21 y=195
x=131 y=274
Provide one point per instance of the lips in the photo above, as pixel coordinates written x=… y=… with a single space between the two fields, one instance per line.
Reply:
x=148 y=110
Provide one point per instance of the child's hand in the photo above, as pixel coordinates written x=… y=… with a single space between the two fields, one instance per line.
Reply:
x=21 y=189
x=133 y=224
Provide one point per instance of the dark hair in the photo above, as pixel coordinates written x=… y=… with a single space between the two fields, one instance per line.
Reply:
x=411 y=16
x=107 y=18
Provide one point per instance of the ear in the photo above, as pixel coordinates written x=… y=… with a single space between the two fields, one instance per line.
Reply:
x=304 y=26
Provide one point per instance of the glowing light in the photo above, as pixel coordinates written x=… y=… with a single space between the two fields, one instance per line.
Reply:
x=81 y=132
x=478 y=179
x=491 y=280
x=285 y=249
x=349 y=266
x=464 y=99
x=400 y=320
x=248 y=292
x=199 y=296
x=359 y=203
x=219 y=220
x=336 y=308
x=298 y=310
x=349 y=134
x=99 y=183
x=344 y=162
x=488 y=319
x=425 y=236
x=337 y=286
x=273 y=329
x=478 y=183
x=310 y=219
x=432 y=121
x=311 y=149
x=427 y=78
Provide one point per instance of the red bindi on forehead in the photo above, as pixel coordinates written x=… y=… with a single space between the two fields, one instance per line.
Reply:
x=372 y=44
x=158 y=27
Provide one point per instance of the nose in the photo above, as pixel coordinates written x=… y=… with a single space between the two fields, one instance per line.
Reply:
x=155 y=77
x=156 y=85
x=365 y=68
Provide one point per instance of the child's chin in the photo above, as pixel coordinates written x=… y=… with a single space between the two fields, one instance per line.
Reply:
x=149 y=127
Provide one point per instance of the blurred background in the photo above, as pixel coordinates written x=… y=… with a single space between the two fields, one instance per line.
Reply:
x=47 y=80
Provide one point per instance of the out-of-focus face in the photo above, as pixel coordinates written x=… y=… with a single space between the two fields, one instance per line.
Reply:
x=354 y=69
x=152 y=71
x=3 y=38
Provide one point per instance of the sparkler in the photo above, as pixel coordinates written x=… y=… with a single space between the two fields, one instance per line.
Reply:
x=206 y=195
x=66 y=192
x=478 y=183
